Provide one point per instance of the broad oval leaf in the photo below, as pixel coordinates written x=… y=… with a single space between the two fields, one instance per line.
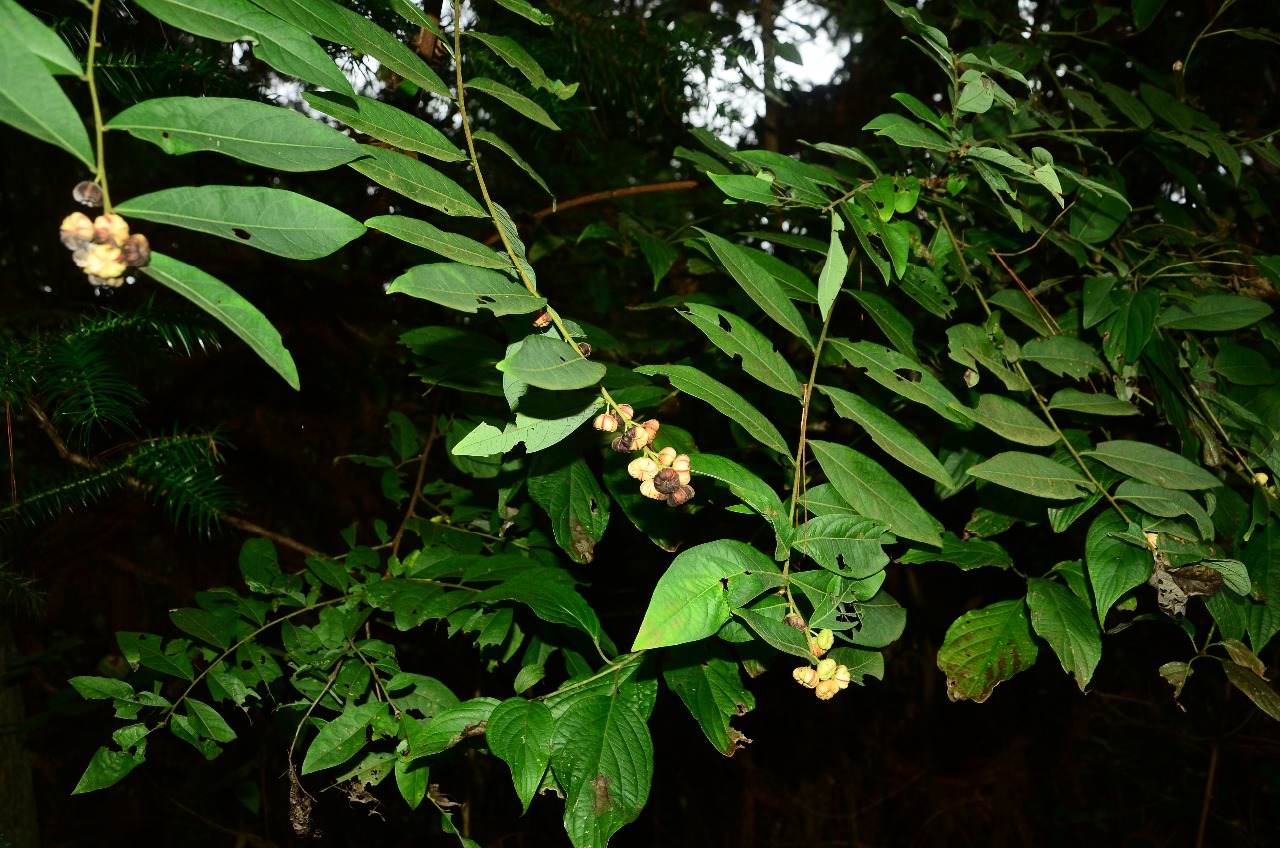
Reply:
x=1255 y=687
x=251 y=132
x=233 y=311
x=690 y=601
x=1074 y=400
x=1215 y=313
x=1065 y=621
x=386 y=123
x=417 y=181
x=723 y=399
x=550 y=363
x=985 y=647
x=875 y=493
x=449 y=245
x=32 y=101
x=579 y=509
x=1033 y=474
x=1006 y=417
x=107 y=768
x=466 y=289
x=711 y=688
x=520 y=733
x=736 y=337
x=270 y=219
x=753 y=491
x=1063 y=356
x=849 y=545
x=1152 y=464
x=539 y=426
x=893 y=438
x=342 y=738
x=1115 y=566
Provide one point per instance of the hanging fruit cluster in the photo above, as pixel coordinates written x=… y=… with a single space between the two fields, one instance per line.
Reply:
x=828 y=677
x=663 y=475
x=103 y=246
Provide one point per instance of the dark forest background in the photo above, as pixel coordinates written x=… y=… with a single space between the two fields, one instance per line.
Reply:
x=892 y=764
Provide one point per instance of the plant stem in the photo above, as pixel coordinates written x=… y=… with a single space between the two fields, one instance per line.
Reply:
x=417 y=487
x=101 y=175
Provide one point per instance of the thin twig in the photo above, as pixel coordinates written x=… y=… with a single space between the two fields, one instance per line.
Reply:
x=417 y=486
x=596 y=197
x=1208 y=794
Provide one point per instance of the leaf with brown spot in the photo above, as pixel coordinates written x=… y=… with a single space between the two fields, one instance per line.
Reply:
x=706 y=678
x=984 y=648
x=565 y=487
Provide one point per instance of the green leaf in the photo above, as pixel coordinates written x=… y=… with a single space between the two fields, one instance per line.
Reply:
x=1065 y=621
x=1095 y=218
x=328 y=20
x=891 y=322
x=902 y=375
x=451 y=727
x=342 y=738
x=514 y=99
x=1145 y=11
x=736 y=337
x=985 y=647
x=449 y=245
x=32 y=101
x=1128 y=105
x=1093 y=404
x=578 y=508
x=690 y=601
x=418 y=182
x=1006 y=417
x=466 y=289
x=386 y=123
x=893 y=438
x=551 y=601
x=147 y=649
x=1152 y=464
x=100 y=688
x=210 y=724
x=520 y=733
x=743 y=187
x=965 y=554
x=204 y=625
x=723 y=399
x=969 y=344
x=1020 y=306
x=906 y=133
x=21 y=30
x=1115 y=566
x=526 y=10
x=760 y=286
x=413 y=777
x=1262 y=557
x=1217 y=313
x=1167 y=503
x=281 y=45
x=550 y=363
x=539 y=423
x=708 y=683
x=1032 y=474
x=833 y=270
x=221 y=301
x=107 y=768
x=1063 y=355
x=848 y=545
x=875 y=493
x=604 y=763
x=270 y=219
x=489 y=138
x=510 y=51
x=1254 y=687
x=753 y=491
x=251 y=132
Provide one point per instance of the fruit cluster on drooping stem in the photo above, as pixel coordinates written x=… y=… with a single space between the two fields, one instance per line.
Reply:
x=828 y=677
x=664 y=475
x=102 y=246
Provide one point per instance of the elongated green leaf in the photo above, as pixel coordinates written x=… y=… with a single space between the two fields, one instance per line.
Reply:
x=328 y=20
x=753 y=491
x=965 y=554
x=875 y=493
x=736 y=337
x=906 y=133
x=1033 y=475
x=902 y=375
x=233 y=311
x=690 y=601
x=1093 y=404
x=891 y=322
x=386 y=123
x=984 y=648
x=19 y=30
x=604 y=763
x=1065 y=621
x=711 y=688
x=527 y=10
x=743 y=187
x=1256 y=688
x=1154 y=465
x=510 y=51
x=514 y=99
x=1262 y=557
x=539 y=425
x=848 y=545
x=551 y=601
x=466 y=289
x=894 y=439
x=451 y=727
x=342 y=738
x=520 y=733
x=449 y=245
x=489 y=138
x=723 y=399
x=760 y=286
x=107 y=768
x=252 y=132
x=1063 y=355
x=1214 y=312
x=417 y=181
x=270 y=219
x=1014 y=421
x=550 y=363
x=281 y=45
x=579 y=510
x=1114 y=566
x=32 y=101
x=833 y=271
x=1167 y=503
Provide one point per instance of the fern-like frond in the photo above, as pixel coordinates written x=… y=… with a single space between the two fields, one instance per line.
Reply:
x=88 y=390
x=181 y=473
x=18 y=591
x=81 y=488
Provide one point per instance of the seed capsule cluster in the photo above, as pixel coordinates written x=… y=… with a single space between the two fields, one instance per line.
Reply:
x=663 y=475
x=102 y=246
x=828 y=677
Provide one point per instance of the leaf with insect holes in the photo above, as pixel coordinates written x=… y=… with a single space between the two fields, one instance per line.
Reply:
x=568 y=491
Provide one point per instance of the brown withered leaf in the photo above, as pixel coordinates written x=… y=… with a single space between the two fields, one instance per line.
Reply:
x=1175 y=587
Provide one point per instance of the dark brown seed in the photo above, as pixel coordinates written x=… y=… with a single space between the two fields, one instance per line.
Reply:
x=87 y=193
x=666 y=481
x=623 y=444
x=135 y=252
x=793 y=620
x=584 y=348
x=680 y=496
x=542 y=320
